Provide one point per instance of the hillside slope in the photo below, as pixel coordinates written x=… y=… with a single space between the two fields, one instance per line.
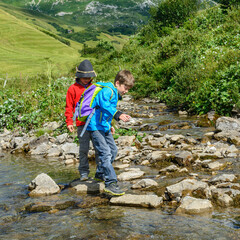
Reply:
x=109 y=15
x=26 y=51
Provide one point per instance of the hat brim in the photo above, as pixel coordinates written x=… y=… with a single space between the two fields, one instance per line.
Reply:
x=85 y=75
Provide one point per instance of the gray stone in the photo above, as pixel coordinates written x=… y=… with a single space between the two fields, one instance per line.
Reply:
x=70 y=148
x=126 y=176
x=222 y=178
x=183 y=158
x=41 y=149
x=171 y=168
x=43 y=185
x=158 y=155
x=121 y=166
x=190 y=205
x=225 y=124
x=54 y=152
x=187 y=185
x=151 y=201
x=62 y=138
x=144 y=183
x=85 y=187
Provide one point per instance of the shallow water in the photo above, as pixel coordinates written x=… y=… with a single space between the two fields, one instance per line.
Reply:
x=102 y=222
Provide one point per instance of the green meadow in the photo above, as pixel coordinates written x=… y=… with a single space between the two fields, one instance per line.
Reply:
x=26 y=51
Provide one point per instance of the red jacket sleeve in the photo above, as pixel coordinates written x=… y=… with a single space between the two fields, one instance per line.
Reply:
x=70 y=105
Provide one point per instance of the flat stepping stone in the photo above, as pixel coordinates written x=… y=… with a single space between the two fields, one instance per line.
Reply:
x=148 y=201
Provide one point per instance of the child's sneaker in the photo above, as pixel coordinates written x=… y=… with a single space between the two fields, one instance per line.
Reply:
x=114 y=189
x=84 y=177
x=99 y=178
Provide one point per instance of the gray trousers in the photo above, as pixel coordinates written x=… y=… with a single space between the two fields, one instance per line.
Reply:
x=84 y=143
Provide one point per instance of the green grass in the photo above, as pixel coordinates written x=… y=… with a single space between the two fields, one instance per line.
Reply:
x=26 y=51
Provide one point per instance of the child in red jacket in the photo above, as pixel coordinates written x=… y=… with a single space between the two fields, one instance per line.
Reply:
x=84 y=76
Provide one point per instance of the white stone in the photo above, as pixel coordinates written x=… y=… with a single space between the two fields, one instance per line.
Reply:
x=126 y=176
x=43 y=185
x=190 y=205
x=144 y=183
x=151 y=201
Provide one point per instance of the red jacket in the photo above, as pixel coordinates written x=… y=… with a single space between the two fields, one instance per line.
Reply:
x=73 y=95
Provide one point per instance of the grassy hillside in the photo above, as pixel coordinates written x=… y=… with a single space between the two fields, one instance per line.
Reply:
x=104 y=15
x=26 y=51
x=188 y=58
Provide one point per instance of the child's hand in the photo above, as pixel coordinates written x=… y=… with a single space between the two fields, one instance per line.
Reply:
x=70 y=128
x=112 y=130
x=124 y=117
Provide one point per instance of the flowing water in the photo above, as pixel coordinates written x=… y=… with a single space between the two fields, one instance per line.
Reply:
x=97 y=222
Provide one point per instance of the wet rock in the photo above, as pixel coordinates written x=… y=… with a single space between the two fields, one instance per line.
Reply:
x=171 y=168
x=230 y=136
x=144 y=183
x=158 y=155
x=126 y=176
x=190 y=205
x=70 y=148
x=151 y=201
x=71 y=161
x=223 y=178
x=212 y=165
x=43 y=185
x=48 y=206
x=144 y=162
x=87 y=187
x=226 y=124
x=54 y=152
x=38 y=141
x=62 y=138
x=183 y=158
x=121 y=166
x=40 y=150
x=221 y=198
x=125 y=140
x=187 y=186
x=90 y=201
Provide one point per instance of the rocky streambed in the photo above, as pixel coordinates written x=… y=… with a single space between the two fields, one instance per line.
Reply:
x=181 y=177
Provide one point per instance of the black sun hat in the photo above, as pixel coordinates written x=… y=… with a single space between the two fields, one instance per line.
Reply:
x=85 y=70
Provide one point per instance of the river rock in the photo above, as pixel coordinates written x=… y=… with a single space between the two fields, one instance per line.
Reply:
x=212 y=165
x=151 y=201
x=121 y=166
x=158 y=142
x=190 y=205
x=43 y=185
x=226 y=124
x=187 y=186
x=54 y=152
x=87 y=187
x=222 y=178
x=126 y=176
x=183 y=158
x=48 y=206
x=41 y=149
x=144 y=183
x=171 y=168
x=158 y=155
x=125 y=140
x=62 y=138
x=221 y=198
x=70 y=148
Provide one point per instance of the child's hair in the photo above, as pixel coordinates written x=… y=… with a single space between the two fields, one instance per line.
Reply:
x=125 y=77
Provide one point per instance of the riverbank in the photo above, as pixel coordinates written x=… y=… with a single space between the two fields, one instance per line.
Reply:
x=186 y=173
